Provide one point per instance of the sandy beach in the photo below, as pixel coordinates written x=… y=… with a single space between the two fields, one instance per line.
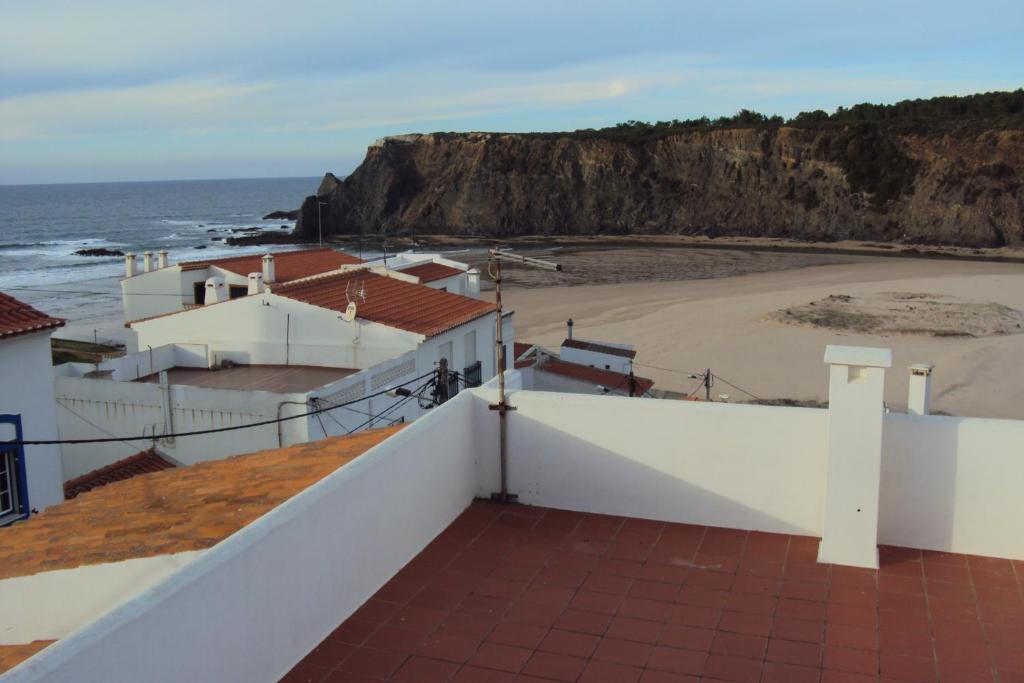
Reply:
x=733 y=326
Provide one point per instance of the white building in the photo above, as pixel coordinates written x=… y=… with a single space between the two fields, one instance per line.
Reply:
x=726 y=541
x=581 y=367
x=30 y=477
x=155 y=287
x=279 y=353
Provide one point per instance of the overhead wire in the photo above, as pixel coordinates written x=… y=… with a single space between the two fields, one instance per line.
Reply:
x=216 y=430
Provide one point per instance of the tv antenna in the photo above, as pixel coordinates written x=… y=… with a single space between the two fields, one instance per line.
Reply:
x=495 y=258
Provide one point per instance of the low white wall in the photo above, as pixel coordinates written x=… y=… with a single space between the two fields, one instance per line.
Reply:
x=98 y=408
x=145 y=362
x=953 y=484
x=742 y=466
x=49 y=605
x=252 y=606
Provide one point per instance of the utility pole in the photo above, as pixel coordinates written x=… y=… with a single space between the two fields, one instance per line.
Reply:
x=496 y=256
x=319 y=222
x=632 y=384
x=442 y=381
x=707 y=384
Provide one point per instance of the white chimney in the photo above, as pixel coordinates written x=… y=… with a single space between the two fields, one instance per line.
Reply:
x=215 y=291
x=268 y=269
x=161 y=258
x=129 y=265
x=255 y=283
x=147 y=261
x=919 y=392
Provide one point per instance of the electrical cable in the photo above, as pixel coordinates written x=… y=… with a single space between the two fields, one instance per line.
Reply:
x=753 y=396
x=50 y=442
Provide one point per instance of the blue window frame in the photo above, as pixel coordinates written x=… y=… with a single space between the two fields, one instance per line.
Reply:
x=13 y=477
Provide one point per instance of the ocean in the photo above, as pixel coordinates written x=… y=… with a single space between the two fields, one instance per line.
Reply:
x=41 y=226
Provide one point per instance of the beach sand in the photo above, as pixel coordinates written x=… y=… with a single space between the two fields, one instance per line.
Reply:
x=726 y=324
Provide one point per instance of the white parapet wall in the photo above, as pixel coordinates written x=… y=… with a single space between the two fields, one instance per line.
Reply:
x=743 y=466
x=953 y=484
x=252 y=606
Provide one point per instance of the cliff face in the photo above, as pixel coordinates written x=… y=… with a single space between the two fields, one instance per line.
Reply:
x=956 y=186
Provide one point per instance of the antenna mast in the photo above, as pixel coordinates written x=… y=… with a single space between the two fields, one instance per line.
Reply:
x=495 y=259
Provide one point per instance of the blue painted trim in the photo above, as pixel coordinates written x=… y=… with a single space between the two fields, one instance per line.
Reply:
x=19 y=465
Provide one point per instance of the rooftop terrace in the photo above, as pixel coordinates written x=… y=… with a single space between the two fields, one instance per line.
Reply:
x=655 y=541
x=530 y=593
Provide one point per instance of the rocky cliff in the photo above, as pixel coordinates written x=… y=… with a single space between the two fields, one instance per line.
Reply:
x=952 y=184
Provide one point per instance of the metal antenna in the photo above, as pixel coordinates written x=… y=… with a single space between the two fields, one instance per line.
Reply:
x=495 y=259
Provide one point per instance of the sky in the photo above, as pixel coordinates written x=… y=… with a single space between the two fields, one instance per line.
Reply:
x=137 y=90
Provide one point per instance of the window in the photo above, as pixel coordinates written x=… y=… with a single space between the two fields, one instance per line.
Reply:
x=470 y=344
x=9 y=503
x=13 y=497
x=237 y=291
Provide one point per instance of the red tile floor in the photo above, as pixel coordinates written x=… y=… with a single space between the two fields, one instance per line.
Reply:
x=533 y=594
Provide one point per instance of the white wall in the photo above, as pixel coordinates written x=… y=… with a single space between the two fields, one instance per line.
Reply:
x=27 y=372
x=541 y=380
x=749 y=467
x=50 y=605
x=953 y=484
x=605 y=361
x=97 y=408
x=273 y=330
x=252 y=606
x=158 y=291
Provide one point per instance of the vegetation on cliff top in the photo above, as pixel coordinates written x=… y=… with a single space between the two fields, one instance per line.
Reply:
x=998 y=108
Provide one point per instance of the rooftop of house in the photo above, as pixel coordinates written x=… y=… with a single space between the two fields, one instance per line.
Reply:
x=280 y=379
x=529 y=593
x=143 y=462
x=17 y=317
x=598 y=347
x=174 y=510
x=288 y=265
x=609 y=379
x=389 y=301
x=431 y=272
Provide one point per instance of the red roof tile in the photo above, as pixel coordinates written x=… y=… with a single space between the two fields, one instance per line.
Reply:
x=17 y=317
x=606 y=378
x=390 y=301
x=657 y=601
x=140 y=463
x=599 y=348
x=431 y=272
x=288 y=265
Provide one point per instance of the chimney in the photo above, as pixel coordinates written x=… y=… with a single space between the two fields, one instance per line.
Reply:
x=147 y=261
x=161 y=258
x=215 y=291
x=268 y=269
x=129 y=265
x=920 y=391
x=569 y=324
x=255 y=283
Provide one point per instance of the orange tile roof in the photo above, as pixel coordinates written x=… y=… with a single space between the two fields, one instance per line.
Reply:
x=599 y=348
x=431 y=272
x=288 y=265
x=389 y=301
x=613 y=381
x=176 y=510
x=17 y=317
x=140 y=463
x=13 y=655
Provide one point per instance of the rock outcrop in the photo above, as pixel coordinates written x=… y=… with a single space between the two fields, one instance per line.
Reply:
x=952 y=184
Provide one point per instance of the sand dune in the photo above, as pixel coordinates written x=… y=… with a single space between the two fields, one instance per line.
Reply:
x=726 y=324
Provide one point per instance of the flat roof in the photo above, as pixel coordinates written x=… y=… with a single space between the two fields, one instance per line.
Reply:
x=282 y=379
x=512 y=592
